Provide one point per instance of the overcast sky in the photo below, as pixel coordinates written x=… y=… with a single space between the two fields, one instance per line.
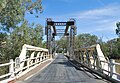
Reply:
x=96 y=17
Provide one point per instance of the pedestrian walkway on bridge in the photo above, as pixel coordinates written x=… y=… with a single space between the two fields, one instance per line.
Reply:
x=62 y=71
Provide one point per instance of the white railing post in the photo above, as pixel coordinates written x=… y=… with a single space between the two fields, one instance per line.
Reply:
x=11 y=67
x=111 y=67
x=41 y=57
x=46 y=55
x=28 y=63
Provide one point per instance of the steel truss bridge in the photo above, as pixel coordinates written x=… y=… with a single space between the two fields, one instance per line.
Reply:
x=51 y=25
x=83 y=65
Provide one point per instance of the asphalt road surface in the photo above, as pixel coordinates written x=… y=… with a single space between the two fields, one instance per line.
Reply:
x=61 y=71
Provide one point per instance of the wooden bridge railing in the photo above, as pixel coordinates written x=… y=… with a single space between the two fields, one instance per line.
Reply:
x=30 y=57
x=94 y=58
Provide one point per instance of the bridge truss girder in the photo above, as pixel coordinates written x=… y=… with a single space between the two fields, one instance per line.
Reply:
x=51 y=25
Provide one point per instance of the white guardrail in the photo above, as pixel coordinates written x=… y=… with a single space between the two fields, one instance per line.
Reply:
x=93 y=58
x=30 y=57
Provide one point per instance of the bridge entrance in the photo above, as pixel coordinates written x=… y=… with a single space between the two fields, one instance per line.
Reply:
x=69 y=32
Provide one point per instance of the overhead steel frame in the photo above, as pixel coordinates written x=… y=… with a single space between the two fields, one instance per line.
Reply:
x=51 y=36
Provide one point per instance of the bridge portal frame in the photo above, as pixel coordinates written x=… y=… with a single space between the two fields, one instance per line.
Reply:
x=51 y=36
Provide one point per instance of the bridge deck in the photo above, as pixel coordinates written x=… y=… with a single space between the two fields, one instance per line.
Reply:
x=61 y=71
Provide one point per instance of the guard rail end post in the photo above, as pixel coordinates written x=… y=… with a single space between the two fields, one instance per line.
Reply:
x=111 y=67
x=11 y=68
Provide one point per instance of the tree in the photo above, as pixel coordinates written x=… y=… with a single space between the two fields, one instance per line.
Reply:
x=118 y=45
x=113 y=48
x=81 y=40
x=61 y=45
x=44 y=44
x=118 y=29
x=24 y=34
x=36 y=35
x=3 y=38
x=12 y=12
x=84 y=40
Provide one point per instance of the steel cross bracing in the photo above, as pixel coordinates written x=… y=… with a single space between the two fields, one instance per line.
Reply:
x=51 y=31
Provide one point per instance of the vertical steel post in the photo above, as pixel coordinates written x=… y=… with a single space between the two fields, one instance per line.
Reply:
x=68 y=45
x=49 y=39
x=53 y=46
x=72 y=34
